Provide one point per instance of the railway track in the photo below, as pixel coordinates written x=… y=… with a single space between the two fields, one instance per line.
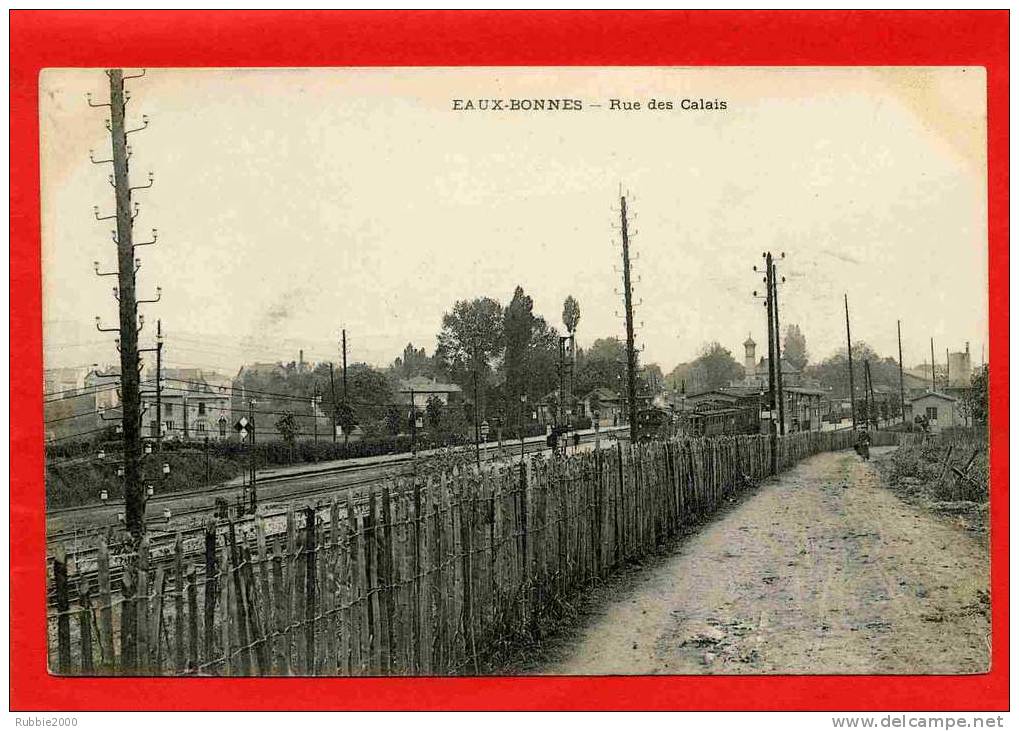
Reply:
x=161 y=546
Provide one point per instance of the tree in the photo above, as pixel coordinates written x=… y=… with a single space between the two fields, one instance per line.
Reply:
x=433 y=411
x=472 y=326
x=345 y=417
x=393 y=419
x=413 y=362
x=652 y=379
x=833 y=372
x=542 y=371
x=794 y=347
x=678 y=378
x=975 y=401
x=713 y=368
x=518 y=327
x=571 y=314
x=286 y=425
x=603 y=365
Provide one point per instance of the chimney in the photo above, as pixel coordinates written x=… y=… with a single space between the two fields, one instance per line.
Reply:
x=300 y=360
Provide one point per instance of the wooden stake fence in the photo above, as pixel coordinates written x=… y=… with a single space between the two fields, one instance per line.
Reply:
x=424 y=574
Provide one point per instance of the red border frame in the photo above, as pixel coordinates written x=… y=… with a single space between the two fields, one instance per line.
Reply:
x=451 y=38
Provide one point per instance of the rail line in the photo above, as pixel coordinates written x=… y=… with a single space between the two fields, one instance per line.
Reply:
x=161 y=546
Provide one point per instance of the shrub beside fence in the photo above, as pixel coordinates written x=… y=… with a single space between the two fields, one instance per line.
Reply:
x=424 y=574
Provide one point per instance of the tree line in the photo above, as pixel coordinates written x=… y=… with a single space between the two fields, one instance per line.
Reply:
x=507 y=360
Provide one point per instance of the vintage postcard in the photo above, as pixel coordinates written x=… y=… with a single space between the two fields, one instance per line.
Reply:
x=515 y=371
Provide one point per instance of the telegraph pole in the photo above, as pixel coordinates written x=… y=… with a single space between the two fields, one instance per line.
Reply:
x=346 y=436
x=413 y=425
x=849 y=351
x=129 y=318
x=778 y=350
x=772 y=406
x=332 y=390
x=251 y=420
x=631 y=364
x=314 y=414
x=948 y=370
x=159 y=388
x=934 y=383
x=902 y=389
x=477 y=424
x=868 y=393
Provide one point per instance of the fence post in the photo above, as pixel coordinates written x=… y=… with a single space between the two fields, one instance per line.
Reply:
x=384 y=557
x=265 y=594
x=416 y=597
x=311 y=550
x=355 y=619
x=85 y=626
x=332 y=557
x=128 y=630
x=178 y=603
x=63 y=610
x=192 y=596
x=211 y=590
x=106 y=644
x=156 y=627
x=257 y=637
x=281 y=596
x=239 y=605
x=142 y=608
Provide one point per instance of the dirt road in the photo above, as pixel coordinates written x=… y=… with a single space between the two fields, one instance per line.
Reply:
x=823 y=570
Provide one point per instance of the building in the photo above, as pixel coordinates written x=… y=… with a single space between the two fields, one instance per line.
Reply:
x=736 y=409
x=960 y=369
x=69 y=403
x=604 y=406
x=941 y=410
x=802 y=408
x=195 y=405
x=756 y=371
x=418 y=390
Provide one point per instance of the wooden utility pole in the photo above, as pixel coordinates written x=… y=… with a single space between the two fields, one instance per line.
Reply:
x=251 y=420
x=631 y=357
x=849 y=350
x=130 y=397
x=314 y=414
x=868 y=394
x=346 y=436
x=477 y=417
x=769 y=271
x=934 y=383
x=778 y=350
x=948 y=370
x=902 y=388
x=159 y=389
x=332 y=390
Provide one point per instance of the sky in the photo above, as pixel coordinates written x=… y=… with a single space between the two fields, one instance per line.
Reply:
x=291 y=203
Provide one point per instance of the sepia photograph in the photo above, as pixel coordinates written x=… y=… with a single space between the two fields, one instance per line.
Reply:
x=515 y=371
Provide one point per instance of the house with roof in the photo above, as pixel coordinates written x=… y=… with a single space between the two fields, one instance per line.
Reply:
x=802 y=408
x=193 y=404
x=604 y=406
x=941 y=410
x=755 y=371
x=417 y=391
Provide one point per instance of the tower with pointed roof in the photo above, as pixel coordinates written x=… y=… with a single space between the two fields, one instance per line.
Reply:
x=749 y=357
